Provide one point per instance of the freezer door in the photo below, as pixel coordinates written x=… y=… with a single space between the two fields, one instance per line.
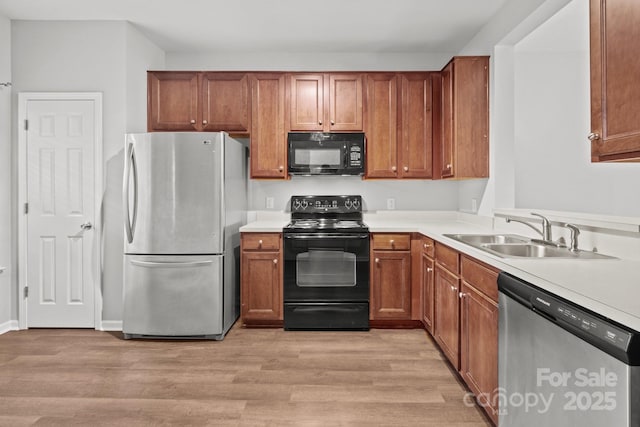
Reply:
x=172 y=193
x=179 y=296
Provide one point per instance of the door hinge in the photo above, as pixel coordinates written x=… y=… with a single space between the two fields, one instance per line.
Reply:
x=26 y=208
x=26 y=124
x=26 y=291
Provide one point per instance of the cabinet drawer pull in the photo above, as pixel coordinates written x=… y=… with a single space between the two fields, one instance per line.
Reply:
x=259 y=242
x=392 y=242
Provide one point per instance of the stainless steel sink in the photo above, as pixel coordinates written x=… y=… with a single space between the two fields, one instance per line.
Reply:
x=514 y=246
x=480 y=239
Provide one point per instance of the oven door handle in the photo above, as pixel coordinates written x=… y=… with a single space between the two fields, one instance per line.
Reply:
x=316 y=236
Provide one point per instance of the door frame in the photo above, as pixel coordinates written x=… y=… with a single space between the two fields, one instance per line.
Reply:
x=96 y=262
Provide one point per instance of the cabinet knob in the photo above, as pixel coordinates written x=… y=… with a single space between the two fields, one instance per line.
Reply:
x=426 y=245
x=320 y=122
x=377 y=260
x=332 y=123
x=462 y=295
x=449 y=166
x=429 y=269
x=593 y=136
x=393 y=168
x=193 y=122
x=281 y=168
x=204 y=122
x=453 y=288
x=275 y=261
x=392 y=242
x=406 y=168
x=259 y=242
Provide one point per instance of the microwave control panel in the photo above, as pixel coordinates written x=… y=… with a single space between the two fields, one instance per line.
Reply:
x=355 y=155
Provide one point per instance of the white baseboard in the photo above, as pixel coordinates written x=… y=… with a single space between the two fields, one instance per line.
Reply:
x=10 y=325
x=111 y=325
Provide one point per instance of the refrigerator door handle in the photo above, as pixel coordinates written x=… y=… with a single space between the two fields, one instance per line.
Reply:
x=129 y=166
x=150 y=264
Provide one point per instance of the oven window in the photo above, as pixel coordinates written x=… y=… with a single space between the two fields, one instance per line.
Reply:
x=318 y=157
x=325 y=268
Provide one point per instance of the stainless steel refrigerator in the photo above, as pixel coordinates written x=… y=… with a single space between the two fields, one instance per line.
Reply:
x=184 y=196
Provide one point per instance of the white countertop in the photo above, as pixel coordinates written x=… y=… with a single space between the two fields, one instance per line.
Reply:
x=610 y=287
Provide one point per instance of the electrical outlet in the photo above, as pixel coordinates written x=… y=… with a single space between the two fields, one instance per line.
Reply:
x=474 y=205
x=391 y=204
x=269 y=202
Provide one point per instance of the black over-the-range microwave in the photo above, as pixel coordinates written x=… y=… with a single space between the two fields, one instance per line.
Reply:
x=318 y=153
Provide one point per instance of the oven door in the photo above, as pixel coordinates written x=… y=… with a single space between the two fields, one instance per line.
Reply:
x=326 y=267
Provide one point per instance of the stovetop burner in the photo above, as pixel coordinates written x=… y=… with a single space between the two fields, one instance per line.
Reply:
x=326 y=213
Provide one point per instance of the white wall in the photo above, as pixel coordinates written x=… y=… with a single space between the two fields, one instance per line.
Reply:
x=95 y=56
x=552 y=119
x=6 y=258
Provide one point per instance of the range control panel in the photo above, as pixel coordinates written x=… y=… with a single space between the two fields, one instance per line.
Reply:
x=318 y=204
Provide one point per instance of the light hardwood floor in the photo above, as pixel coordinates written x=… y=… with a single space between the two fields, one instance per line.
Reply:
x=255 y=377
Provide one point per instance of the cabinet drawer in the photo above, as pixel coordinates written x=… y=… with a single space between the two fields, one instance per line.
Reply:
x=447 y=257
x=392 y=242
x=428 y=246
x=480 y=276
x=260 y=241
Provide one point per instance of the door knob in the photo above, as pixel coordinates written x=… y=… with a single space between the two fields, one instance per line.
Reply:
x=86 y=226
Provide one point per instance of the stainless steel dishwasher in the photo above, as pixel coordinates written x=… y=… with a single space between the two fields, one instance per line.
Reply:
x=561 y=364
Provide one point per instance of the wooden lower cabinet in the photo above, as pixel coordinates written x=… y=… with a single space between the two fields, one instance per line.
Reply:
x=261 y=279
x=479 y=346
x=427 y=295
x=391 y=285
x=447 y=314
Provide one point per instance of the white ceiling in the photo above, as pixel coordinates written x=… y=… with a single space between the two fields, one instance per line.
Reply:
x=281 y=25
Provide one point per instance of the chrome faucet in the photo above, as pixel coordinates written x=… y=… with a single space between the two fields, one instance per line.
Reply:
x=545 y=232
x=575 y=231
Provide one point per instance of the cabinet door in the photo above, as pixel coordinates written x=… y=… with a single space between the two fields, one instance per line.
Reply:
x=446 y=144
x=268 y=140
x=427 y=294
x=345 y=102
x=446 y=314
x=479 y=345
x=415 y=154
x=261 y=286
x=225 y=102
x=306 y=96
x=391 y=285
x=615 y=82
x=381 y=125
x=172 y=101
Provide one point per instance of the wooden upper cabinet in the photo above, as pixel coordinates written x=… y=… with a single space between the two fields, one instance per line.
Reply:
x=225 y=102
x=268 y=139
x=615 y=80
x=416 y=126
x=381 y=125
x=172 y=101
x=399 y=125
x=325 y=102
x=197 y=101
x=464 y=144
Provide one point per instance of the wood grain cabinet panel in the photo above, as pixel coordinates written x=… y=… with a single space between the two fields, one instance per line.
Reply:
x=479 y=346
x=325 y=102
x=615 y=80
x=172 y=101
x=390 y=285
x=427 y=294
x=464 y=145
x=381 y=125
x=225 y=102
x=415 y=150
x=261 y=279
x=447 y=314
x=268 y=139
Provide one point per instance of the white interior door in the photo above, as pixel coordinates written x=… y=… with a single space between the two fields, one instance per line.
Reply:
x=60 y=239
